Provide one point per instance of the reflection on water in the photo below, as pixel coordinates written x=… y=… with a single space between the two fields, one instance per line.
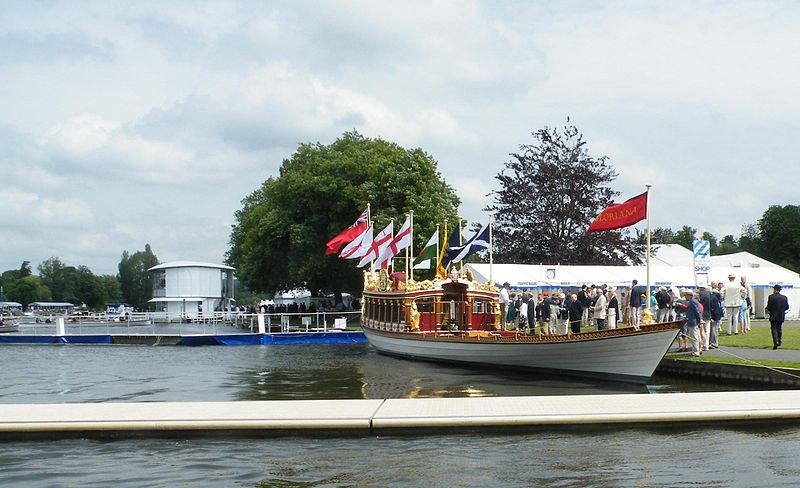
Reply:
x=62 y=373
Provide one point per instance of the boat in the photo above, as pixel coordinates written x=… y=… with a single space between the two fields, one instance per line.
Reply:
x=457 y=321
x=9 y=323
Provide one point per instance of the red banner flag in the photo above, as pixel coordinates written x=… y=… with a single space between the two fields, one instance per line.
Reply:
x=347 y=235
x=619 y=215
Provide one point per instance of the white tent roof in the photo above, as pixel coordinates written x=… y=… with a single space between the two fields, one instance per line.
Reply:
x=549 y=276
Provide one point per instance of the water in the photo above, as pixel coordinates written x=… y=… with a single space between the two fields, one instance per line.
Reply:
x=701 y=456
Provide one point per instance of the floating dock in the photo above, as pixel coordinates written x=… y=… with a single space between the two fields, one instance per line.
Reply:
x=333 y=337
x=370 y=417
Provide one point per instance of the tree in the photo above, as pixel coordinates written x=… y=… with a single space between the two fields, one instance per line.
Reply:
x=662 y=235
x=727 y=245
x=60 y=279
x=712 y=242
x=112 y=293
x=135 y=282
x=28 y=289
x=278 y=239
x=685 y=236
x=778 y=236
x=551 y=191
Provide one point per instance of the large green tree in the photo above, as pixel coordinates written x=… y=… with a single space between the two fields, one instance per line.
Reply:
x=278 y=240
x=777 y=236
x=28 y=289
x=551 y=190
x=135 y=282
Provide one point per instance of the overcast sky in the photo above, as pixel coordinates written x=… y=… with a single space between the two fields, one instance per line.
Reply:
x=125 y=123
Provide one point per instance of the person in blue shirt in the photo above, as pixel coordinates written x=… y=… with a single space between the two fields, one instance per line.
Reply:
x=693 y=319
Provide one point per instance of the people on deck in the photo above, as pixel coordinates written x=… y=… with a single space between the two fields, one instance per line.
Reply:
x=635 y=304
x=575 y=312
x=599 y=309
x=505 y=297
x=613 y=308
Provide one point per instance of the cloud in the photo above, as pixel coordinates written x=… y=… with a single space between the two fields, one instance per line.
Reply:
x=23 y=209
x=36 y=48
x=88 y=143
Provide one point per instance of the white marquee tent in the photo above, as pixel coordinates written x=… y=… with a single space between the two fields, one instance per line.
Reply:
x=671 y=265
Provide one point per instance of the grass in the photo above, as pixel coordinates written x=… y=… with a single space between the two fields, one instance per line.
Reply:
x=760 y=337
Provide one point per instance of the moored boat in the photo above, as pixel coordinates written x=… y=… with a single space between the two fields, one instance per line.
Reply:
x=457 y=321
x=9 y=323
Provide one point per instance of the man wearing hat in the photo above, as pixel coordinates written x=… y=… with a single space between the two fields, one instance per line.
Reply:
x=777 y=305
x=732 y=297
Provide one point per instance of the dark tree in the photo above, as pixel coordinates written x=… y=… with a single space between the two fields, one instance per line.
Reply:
x=551 y=191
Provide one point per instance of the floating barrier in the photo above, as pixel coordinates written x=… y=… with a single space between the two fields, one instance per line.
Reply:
x=417 y=415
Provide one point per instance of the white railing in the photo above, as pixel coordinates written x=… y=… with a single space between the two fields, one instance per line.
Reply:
x=203 y=323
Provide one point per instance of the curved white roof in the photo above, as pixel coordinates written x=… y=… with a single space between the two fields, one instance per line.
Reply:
x=189 y=264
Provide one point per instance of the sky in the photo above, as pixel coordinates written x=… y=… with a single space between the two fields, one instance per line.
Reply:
x=126 y=123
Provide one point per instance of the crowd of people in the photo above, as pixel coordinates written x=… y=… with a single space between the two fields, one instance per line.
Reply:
x=560 y=312
x=294 y=307
x=603 y=307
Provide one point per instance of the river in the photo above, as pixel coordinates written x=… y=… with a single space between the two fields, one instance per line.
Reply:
x=755 y=455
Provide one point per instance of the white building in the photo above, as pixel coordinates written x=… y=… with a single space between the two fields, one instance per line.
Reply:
x=190 y=289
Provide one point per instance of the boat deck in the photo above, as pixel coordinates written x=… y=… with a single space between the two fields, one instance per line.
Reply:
x=369 y=417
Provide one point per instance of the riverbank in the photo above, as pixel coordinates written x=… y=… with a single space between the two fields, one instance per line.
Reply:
x=744 y=358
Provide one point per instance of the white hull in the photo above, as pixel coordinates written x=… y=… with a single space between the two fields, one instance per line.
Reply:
x=9 y=328
x=630 y=357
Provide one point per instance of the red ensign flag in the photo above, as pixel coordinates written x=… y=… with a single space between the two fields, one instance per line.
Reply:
x=619 y=215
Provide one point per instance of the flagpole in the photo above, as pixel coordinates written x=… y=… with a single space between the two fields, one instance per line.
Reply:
x=435 y=263
x=460 y=242
x=490 y=249
x=410 y=249
x=439 y=256
x=648 y=186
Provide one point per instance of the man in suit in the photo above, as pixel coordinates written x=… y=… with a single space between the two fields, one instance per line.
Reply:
x=777 y=305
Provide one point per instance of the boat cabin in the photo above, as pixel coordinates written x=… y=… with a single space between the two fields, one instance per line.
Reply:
x=455 y=307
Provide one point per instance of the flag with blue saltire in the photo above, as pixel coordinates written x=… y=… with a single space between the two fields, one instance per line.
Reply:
x=477 y=242
x=444 y=259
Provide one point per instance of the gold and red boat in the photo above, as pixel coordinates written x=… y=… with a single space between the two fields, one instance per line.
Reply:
x=457 y=321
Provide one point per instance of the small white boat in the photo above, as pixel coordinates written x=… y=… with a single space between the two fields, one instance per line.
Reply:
x=9 y=324
x=457 y=322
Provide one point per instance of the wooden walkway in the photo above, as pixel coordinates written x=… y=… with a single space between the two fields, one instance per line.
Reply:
x=366 y=417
